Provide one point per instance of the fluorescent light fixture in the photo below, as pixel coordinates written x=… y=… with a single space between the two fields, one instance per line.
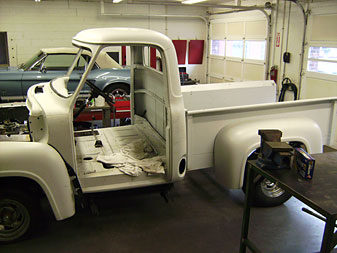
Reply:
x=116 y=1
x=37 y=0
x=192 y=1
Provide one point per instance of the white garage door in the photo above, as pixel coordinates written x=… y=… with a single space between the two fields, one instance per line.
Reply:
x=320 y=67
x=238 y=50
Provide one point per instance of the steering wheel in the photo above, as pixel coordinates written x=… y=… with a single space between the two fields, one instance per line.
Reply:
x=95 y=92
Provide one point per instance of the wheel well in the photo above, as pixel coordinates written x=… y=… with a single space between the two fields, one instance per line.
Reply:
x=253 y=156
x=297 y=144
x=294 y=144
x=26 y=184
x=116 y=84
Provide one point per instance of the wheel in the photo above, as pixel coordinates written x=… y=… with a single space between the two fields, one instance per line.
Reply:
x=18 y=215
x=119 y=90
x=266 y=193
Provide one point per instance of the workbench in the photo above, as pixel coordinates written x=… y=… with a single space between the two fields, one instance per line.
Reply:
x=320 y=194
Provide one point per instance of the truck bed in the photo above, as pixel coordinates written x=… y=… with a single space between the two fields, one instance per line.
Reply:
x=97 y=176
x=203 y=125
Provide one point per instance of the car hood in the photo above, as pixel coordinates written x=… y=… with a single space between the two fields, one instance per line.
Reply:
x=10 y=69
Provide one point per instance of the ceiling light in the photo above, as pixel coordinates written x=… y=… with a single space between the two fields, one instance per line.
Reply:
x=193 y=1
x=37 y=0
x=116 y=1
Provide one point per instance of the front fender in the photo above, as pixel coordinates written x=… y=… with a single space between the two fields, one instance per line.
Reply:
x=105 y=85
x=43 y=164
x=235 y=142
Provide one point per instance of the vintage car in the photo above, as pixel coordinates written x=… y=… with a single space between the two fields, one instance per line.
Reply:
x=50 y=63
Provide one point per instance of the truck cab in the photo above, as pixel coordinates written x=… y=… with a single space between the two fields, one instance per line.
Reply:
x=150 y=151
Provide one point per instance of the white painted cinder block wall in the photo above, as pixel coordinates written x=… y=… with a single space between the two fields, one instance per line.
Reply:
x=31 y=26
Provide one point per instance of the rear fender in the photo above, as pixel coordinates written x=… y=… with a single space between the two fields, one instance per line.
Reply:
x=44 y=165
x=235 y=142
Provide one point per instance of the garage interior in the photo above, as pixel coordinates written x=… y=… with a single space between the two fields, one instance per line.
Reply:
x=217 y=41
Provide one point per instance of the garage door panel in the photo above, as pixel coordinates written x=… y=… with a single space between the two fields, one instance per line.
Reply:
x=318 y=88
x=217 y=66
x=233 y=69
x=216 y=80
x=256 y=29
x=253 y=71
x=236 y=29
x=329 y=22
x=218 y=30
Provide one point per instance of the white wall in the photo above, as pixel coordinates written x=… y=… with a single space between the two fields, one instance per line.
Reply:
x=31 y=26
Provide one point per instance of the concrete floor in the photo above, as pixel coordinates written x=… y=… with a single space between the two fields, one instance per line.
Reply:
x=201 y=216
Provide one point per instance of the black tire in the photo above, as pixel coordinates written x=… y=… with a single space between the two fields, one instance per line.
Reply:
x=266 y=193
x=118 y=90
x=19 y=212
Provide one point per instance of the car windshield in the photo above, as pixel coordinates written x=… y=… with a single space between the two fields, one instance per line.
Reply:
x=63 y=86
x=31 y=61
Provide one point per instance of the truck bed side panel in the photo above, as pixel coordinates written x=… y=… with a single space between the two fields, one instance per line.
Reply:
x=204 y=125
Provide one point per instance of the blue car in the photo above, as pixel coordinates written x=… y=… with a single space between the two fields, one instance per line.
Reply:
x=50 y=63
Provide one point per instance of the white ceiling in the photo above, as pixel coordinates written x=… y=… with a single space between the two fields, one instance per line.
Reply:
x=207 y=2
x=179 y=1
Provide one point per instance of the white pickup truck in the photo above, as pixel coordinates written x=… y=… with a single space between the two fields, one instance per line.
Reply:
x=173 y=130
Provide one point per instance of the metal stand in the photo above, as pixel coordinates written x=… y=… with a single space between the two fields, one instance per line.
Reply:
x=319 y=194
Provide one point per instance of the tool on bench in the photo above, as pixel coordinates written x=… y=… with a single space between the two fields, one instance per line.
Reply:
x=274 y=153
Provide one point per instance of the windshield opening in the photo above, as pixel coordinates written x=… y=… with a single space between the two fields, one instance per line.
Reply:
x=77 y=62
x=66 y=85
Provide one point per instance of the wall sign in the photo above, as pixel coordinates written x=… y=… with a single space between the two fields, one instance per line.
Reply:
x=278 y=39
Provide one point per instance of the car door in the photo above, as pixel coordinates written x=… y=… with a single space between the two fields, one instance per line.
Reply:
x=50 y=67
x=10 y=84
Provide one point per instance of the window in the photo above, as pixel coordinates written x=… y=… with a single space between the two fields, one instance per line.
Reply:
x=322 y=60
x=255 y=50
x=218 y=47
x=152 y=58
x=234 y=48
x=4 y=59
x=60 y=62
